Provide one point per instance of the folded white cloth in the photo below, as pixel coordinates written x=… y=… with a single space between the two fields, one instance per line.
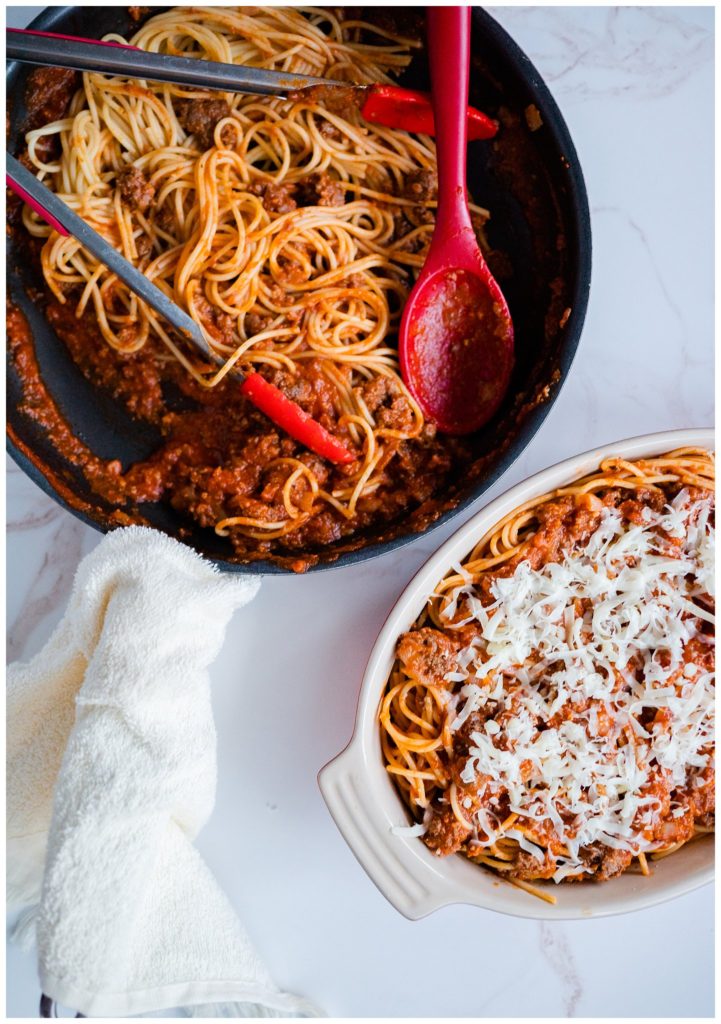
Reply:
x=111 y=774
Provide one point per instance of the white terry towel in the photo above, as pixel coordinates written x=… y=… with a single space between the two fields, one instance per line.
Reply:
x=111 y=774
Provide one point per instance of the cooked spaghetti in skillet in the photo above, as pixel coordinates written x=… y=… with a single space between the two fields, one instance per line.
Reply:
x=550 y=714
x=290 y=229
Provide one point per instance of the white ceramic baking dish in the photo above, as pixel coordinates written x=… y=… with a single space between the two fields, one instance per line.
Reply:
x=365 y=804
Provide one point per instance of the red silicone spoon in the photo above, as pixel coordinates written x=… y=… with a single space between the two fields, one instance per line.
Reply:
x=456 y=336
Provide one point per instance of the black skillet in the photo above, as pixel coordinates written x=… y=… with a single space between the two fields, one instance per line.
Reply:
x=530 y=180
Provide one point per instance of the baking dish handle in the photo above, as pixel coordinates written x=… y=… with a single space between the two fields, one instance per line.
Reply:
x=394 y=863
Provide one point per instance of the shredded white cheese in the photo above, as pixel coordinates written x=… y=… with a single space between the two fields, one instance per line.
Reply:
x=589 y=649
x=408 y=830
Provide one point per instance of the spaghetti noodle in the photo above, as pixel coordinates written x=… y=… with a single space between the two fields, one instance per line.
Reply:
x=289 y=229
x=550 y=714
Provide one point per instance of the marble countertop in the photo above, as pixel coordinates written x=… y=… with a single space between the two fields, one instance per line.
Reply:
x=636 y=87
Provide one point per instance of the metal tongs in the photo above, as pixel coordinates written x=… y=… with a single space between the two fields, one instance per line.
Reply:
x=388 y=105
x=266 y=397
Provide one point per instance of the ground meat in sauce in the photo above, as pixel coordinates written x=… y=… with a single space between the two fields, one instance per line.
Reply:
x=320 y=189
x=428 y=655
x=200 y=117
x=276 y=198
x=163 y=218
x=702 y=797
x=338 y=99
x=404 y=239
x=604 y=863
x=136 y=191
x=387 y=403
x=218 y=324
x=143 y=246
x=527 y=867
x=380 y=391
x=312 y=390
x=421 y=185
x=446 y=834
x=256 y=323
x=294 y=264
x=48 y=95
x=134 y=379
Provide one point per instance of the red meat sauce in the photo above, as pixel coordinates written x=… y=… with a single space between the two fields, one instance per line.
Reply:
x=428 y=654
x=215 y=458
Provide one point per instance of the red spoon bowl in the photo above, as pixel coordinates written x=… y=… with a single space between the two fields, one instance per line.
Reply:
x=457 y=347
x=456 y=336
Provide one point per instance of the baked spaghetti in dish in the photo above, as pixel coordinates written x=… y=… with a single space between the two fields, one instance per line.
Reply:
x=550 y=714
x=290 y=229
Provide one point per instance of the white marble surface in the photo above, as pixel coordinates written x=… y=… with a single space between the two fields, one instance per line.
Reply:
x=635 y=85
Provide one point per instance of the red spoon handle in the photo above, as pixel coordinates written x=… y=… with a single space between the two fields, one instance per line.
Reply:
x=449 y=42
x=295 y=421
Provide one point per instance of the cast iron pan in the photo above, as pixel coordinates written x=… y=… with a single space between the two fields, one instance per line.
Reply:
x=531 y=182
